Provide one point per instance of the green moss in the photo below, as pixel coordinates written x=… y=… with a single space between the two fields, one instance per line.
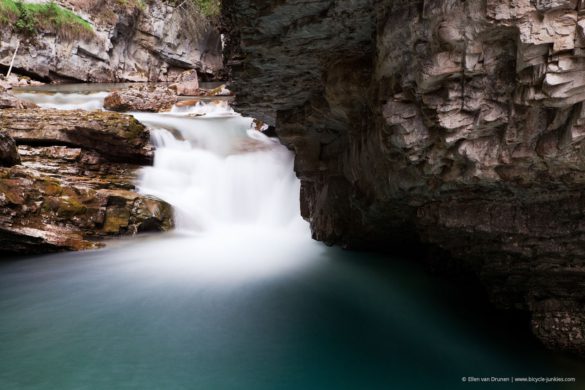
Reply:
x=30 y=19
x=50 y=187
x=9 y=12
x=70 y=207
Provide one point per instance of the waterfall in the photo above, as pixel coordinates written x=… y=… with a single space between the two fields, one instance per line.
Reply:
x=210 y=164
x=217 y=171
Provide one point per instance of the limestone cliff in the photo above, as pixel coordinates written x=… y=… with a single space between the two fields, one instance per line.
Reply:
x=458 y=124
x=132 y=41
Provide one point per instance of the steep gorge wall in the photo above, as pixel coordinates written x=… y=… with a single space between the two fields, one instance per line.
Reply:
x=457 y=124
x=133 y=41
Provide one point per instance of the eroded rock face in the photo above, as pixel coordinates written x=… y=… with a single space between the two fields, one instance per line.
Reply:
x=144 y=42
x=458 y=124
x=42 y=212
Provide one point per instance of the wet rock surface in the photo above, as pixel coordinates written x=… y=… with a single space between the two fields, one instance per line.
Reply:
x=70 y=183
x=51 y=212
x=454 y=124
x=8 y=100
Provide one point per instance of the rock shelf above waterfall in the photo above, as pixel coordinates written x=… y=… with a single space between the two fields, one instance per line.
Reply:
x=69 y=183
x=116 y=137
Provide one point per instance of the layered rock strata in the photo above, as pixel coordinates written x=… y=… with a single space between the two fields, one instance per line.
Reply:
x=115 y=136
x=455 y=124
x=70 y=183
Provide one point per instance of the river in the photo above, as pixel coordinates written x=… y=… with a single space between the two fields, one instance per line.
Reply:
x=239 y=296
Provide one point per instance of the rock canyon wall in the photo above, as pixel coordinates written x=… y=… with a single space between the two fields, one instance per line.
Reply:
x=132 y=41
x=456 y=124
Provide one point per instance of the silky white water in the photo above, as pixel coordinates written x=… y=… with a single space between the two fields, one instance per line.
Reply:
x=217 y=172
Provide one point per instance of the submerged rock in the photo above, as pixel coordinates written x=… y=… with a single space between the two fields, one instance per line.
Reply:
x=148 y=98
x=460 y=125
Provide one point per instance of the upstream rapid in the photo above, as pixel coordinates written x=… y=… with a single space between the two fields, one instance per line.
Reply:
x=239 y=296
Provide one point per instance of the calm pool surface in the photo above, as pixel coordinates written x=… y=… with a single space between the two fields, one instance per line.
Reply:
x=259 y=311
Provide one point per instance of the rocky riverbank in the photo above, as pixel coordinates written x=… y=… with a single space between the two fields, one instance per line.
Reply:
x=67 y=179
x=454 y=125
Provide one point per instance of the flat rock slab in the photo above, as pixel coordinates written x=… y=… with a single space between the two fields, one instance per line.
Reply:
x=116 y=137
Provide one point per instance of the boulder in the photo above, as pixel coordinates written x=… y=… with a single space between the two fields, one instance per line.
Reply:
x=148 y=98
x=75 y=185
x=8 y=100
x=187 y=84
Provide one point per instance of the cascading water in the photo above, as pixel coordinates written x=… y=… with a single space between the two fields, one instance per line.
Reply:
x=210 y=165
x=217 y=172
x=240 y=297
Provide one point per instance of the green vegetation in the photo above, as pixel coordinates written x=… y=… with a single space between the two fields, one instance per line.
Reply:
x=209 y=8
x=205 y=8
x=30 y=19
x=8 y=12
x=131 y=4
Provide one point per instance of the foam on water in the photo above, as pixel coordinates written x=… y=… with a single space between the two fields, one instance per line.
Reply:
x=66 y=101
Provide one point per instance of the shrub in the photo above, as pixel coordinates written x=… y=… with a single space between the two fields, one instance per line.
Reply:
x=196 y=16
x=209 y=8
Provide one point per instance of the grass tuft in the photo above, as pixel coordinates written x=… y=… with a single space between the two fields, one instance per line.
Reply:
x=209 y=8
x=9 y=12
x=31 y=19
